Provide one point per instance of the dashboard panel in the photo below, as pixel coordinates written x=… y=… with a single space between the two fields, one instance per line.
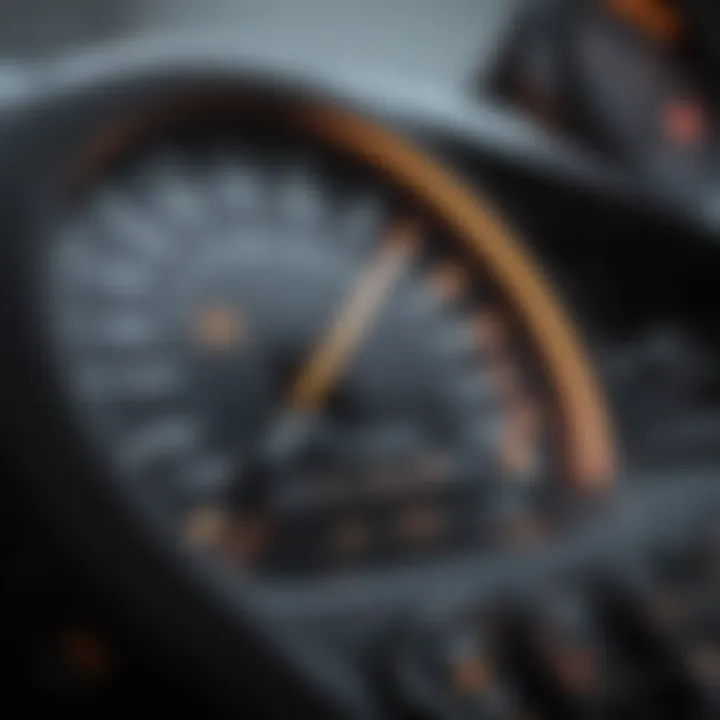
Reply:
x=496 y=172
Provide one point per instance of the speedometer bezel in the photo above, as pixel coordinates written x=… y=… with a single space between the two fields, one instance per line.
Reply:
x=42 y=143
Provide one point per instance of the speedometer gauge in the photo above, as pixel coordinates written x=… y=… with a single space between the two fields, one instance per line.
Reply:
x=308 y=348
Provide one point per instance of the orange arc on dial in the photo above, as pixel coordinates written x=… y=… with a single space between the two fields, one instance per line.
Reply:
x=589 y=457
x=589 y=447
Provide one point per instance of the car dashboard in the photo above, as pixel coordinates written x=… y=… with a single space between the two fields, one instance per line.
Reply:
x=360 y=360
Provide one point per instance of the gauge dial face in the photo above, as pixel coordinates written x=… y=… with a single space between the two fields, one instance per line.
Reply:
x=295 y=361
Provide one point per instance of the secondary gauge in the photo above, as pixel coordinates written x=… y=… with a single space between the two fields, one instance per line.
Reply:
x=636 y=93
x=308 y=348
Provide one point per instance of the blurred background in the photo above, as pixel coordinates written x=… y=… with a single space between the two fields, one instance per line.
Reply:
x=401 y=37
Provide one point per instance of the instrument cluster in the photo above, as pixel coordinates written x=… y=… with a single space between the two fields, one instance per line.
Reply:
x=320 y=399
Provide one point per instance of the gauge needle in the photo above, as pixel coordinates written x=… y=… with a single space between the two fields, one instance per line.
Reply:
x=288 y=435
x=354 y=320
